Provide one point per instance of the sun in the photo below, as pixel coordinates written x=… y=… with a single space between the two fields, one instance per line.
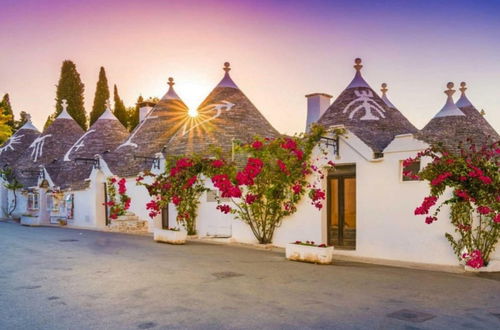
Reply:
x=192 y=113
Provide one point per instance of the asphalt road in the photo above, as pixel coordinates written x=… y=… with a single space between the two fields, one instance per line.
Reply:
x=57 y=278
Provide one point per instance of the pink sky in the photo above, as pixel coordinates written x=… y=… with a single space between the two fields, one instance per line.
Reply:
x=279 y=51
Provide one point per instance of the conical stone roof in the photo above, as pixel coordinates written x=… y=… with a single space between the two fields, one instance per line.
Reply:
x=13 y=148
x=225 y=115
x=102 y=137
x=49 y=148
x=365 y=114
x=474 y=115
x=150 y=136
x=451 y=125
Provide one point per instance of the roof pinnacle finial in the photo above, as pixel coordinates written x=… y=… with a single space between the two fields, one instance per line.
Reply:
x=227 y=67
x=108 y=105
x=358 y=64
x=384 y=89
x=463 y=87
x=450 y=91
x=64 y=105
x=171 y=81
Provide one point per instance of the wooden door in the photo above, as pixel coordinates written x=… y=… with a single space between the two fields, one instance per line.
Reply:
x=342 y=211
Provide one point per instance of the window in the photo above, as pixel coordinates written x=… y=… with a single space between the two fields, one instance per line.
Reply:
x=409 y=173
x=33 y=201
x=53 y=203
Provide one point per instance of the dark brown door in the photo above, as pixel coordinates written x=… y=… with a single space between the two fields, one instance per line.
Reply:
x=342 y=210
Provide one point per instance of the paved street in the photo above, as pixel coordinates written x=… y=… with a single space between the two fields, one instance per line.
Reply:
x=56 y=278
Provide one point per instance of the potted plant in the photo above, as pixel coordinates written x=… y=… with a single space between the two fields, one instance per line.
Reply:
x=62 y=222
x=170 y=236
x=308 y=251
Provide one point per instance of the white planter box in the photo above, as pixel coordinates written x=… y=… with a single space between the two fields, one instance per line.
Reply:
x=493 y=266
x=313 y=254
x=30 y=221
x=170 y=236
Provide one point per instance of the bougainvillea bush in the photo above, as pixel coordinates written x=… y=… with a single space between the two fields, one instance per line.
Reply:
x=181 y=184
x=117 y=205
x=266 y=188
x=473 y=176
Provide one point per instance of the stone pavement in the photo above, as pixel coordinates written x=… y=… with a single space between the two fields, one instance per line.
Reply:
x=60 y=278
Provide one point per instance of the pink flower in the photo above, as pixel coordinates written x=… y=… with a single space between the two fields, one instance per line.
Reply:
x=299 y=154
x=297 y=189
x=257 y=144
x=483 y=210
x=176 y=200
x=485 y=179
x=244 y=179
x=426 y=205
x=331 y=163
x=408 y=162
x=139 y=178
x=440 y=178
x=497 y=218
x=183 y=163
x=282 y=166
x=174 y=171
x=289 y=144
x=429 y=220
x=317 y=194
x=217 y=163
x=475 y=259
x=224 y=208
x=189 y=183
x=250 y=198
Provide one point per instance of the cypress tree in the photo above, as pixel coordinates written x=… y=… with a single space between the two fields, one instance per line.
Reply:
x=100 y=98
x=71 y=88
x=134 y=115
x=7 y=110
x=120 y=111
x=48 y=122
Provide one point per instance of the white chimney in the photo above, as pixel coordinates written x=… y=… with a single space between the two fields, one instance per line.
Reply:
x=143 y=112
x=144 y=108
x=317 y=103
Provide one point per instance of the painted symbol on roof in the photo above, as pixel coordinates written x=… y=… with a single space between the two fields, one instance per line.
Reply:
x=218 y=107
x=78 y=144
x=372 y=111
x=10 y=145
x=138 y=128
x=37 y=146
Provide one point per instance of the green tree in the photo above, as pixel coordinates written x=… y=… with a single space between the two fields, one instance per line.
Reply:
x=5 y=129
x=23 y=118
x=134 y=115
x=120 y=111
x=48 y=122
x=7 y=109
x=101 y=96
x=71 y=88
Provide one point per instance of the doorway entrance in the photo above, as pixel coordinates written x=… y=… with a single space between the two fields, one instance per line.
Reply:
x=342 y=207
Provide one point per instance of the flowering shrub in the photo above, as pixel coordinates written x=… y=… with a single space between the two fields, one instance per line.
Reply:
x=117 y=206
x=267 y=187
x=182 y=185
x=473 y=174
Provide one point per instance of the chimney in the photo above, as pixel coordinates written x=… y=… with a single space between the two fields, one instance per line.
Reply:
x=317 y=103
x=144 y=108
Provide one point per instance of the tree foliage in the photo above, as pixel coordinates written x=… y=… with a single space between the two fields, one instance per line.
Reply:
x=23 y=119
x=100 y=98
x=133 y=119
x=7 y=110
x=10 y=183
x=70 y=88
x=5 y=128
x=120 y=111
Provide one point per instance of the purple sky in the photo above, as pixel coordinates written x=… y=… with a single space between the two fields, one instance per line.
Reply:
x=279 y=51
